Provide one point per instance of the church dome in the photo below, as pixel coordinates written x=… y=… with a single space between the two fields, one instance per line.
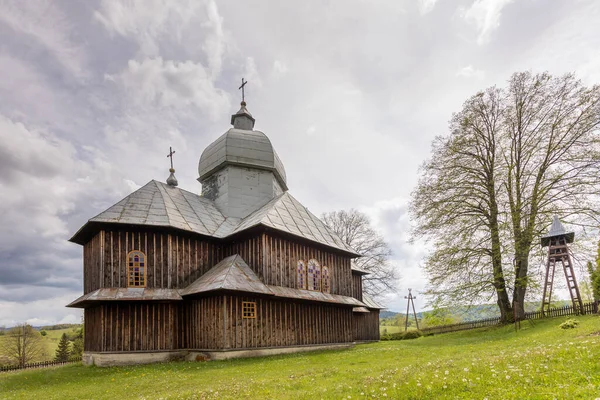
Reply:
x=243 y=147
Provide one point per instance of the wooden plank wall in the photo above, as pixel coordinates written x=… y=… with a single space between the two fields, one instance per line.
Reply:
x=172 y=261
x=366 y=325
x=203 y=327
x=275 y=259
x=131 y=327
x=277 y=323
x=92 y=260
x=357 y=290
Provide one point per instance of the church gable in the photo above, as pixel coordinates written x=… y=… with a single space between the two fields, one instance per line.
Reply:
x=233 y=274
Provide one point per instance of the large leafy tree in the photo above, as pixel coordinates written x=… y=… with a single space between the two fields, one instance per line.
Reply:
x=594 y=272
x=514 y=157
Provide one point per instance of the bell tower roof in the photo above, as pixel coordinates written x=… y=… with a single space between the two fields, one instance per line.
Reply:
x=557 y=229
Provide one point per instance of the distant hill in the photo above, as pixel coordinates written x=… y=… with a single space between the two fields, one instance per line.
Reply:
x=47 y=327
x=475 y=312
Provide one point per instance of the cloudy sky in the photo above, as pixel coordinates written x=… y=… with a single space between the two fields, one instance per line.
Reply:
x=351 y=94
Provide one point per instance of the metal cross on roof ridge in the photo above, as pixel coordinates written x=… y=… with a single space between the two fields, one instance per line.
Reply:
x=242 y=87
x=170 y=155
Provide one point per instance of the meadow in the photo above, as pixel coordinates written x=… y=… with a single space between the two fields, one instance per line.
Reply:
x=540 y=361
x=50 y=342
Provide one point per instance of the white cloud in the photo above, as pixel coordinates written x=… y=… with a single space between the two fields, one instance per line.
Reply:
x=391 y=219
x=154 y=81
x=147 y=21
x=251 y=73
x=190 y=24
x=41 y=312
x=49 y=27
x=426 y=6
x=279 y=68
x=469 y=71
x=485 y=15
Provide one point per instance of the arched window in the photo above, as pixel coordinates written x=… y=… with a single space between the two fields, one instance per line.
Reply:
x=137 y=269
x=301 y=274
x=325 y=285
x=314 y=275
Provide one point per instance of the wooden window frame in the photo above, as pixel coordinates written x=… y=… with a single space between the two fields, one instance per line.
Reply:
x=248 y=309
x=325 y=280
x=301 y=273
x=311 y=277
x=130 y=269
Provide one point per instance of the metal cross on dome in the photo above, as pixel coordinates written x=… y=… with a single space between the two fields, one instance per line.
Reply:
x=170 y=155
x=242 y=87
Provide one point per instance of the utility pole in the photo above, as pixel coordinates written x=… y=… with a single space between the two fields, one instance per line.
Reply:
x=410 y=298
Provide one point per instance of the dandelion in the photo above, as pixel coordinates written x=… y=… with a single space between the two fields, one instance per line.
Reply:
x=466 y=369
x=445 y=387
x=418 y=383
x=507 y=377
x=446 y=372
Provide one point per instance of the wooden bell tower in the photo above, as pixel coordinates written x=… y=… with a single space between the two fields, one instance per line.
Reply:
x=557 y=241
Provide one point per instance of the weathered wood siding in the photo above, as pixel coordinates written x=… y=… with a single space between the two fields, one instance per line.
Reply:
x=131 y=327
x=173 y=261
x=217 y=323
x=357 y=289
x=275 y=259
x=366 y=325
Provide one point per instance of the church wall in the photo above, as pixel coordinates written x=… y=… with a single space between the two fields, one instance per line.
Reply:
x=366 y=325
x=238 y=191
x=173 y=261
x=203 y=323
x=274 y=259
x=131 y=326
x=217 y=323
x=357 y=288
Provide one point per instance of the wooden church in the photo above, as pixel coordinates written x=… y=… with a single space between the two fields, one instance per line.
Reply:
x=243 y=269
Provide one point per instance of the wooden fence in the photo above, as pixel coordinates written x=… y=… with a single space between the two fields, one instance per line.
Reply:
x=588 y=308
x=37 y=365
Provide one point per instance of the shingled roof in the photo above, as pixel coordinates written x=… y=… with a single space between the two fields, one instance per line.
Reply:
x=557 y=229
x=161 y=205
x=285 y=213
x=232 y=273
x=125 y=294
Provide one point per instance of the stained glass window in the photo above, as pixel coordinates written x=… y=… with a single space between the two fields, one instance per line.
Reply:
x=248 y=309
x=314 y=275
x=301 y=274
x=137 y=269
x=326 y=288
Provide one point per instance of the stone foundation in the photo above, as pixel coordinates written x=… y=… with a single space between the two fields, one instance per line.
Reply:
x=146 y=357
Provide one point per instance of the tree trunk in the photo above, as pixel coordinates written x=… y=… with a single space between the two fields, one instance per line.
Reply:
x=520 y=284
x=506 y=313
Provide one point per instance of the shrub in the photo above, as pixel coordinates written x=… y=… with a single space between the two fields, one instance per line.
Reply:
x=43 y=332
x=402 y=335
x=569 y=324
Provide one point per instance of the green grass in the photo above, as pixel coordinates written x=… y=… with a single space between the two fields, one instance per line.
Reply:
x=538 y=362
